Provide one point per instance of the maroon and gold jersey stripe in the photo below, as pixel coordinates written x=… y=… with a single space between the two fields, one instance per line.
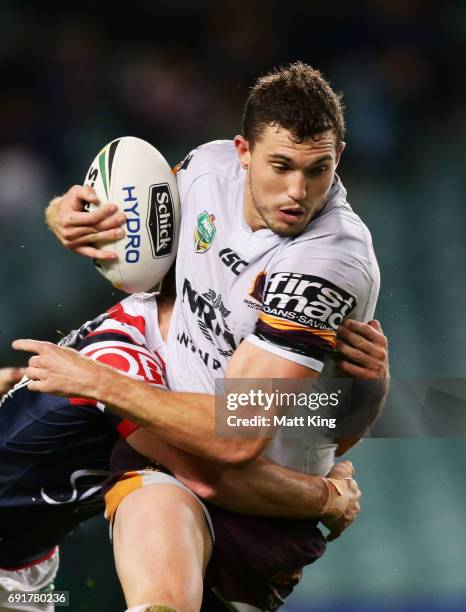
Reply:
x=282 y=324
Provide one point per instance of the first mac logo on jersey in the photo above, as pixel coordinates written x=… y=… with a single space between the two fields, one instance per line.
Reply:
x=309 y=300
x=161 y=220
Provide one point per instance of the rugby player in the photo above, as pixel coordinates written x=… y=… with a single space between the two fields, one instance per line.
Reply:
x=54 y=452
x=270 y=251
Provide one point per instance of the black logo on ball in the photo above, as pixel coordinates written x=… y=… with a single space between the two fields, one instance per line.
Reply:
x=161 y=220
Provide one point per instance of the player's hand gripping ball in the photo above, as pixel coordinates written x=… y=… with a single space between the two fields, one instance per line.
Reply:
x=132 y=174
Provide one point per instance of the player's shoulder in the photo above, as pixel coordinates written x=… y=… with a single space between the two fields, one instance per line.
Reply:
x=139 y=301
x=135 y=306
x=217 y=157
x=137 y=315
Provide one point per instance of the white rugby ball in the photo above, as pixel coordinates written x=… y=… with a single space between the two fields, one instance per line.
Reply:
x=132 y=174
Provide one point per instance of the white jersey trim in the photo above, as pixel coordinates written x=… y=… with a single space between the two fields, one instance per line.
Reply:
x=309 y=362
x=112 y=324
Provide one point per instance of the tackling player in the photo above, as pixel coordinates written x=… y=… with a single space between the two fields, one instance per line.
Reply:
x=55 y=452
x=269 y=250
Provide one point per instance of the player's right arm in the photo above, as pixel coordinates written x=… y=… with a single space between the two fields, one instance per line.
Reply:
x=261 y=487
x=264 y=488
x=78 y=229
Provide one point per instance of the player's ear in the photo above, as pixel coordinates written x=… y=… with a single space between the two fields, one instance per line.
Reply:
x=340 y=149
x=243 y=151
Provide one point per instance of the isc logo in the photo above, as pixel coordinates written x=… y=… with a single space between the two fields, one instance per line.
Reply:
x=232 y=260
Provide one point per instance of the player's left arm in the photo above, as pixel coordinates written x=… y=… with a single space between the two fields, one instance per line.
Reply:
x=315 y=301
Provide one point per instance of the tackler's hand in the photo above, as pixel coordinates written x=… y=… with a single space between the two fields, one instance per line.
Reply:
x=58 y=370
x=343 y=502
x=363 y=349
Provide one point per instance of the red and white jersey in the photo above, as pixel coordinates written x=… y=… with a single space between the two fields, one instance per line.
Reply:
x=127 y=337
x=55 y=451
x=285 y=295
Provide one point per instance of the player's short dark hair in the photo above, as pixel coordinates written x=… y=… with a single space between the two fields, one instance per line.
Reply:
x=297 y=98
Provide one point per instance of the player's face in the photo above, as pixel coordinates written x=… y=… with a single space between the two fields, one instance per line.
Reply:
x=287 y=182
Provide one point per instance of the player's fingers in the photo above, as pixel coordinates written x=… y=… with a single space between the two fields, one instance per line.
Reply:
x=354 y=354
x=34 y=373
x=115 y=221
x=355 y=341
x=97 y=237
x=93 y=217
x=336 y=532
x=73 y=199
x=352 y=512
x=347 y=466
x=37 y=385
x=375 y=361
x=83 y=192
x=35 y=362
x=356 y=371
x=71 y=234
x=94 y=253
x=31 y=346
x=108 y=213
x=364 y=330
x=342 y=469
x=375 y=325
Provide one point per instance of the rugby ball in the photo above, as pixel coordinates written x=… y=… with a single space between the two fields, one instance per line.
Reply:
x=132 y=174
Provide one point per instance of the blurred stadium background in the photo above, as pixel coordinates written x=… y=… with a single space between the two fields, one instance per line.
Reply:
x=76 y=75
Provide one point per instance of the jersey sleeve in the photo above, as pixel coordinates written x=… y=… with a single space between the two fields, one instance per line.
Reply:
x=118 y=339
x=308 y=292
x=184 y=177
x=212 y=156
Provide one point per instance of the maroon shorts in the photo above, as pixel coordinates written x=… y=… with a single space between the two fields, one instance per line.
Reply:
x=256 y=560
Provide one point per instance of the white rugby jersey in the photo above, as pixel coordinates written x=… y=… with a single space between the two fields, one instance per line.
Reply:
x=285 y=295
